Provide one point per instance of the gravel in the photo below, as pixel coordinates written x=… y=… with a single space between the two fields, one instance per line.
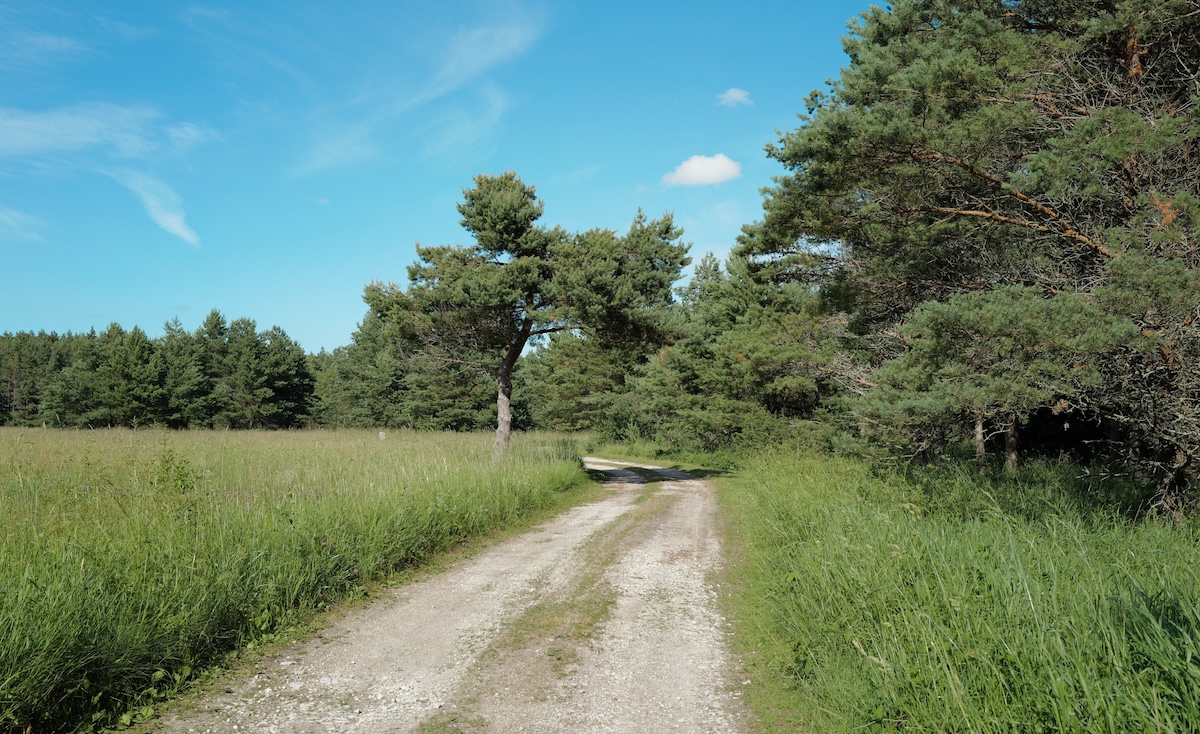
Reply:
x=433 y=652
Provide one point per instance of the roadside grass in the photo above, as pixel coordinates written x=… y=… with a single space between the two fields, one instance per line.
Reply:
x=131 y=560
x=948 y=602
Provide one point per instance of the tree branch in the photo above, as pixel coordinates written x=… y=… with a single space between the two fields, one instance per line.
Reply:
x=1061 y=226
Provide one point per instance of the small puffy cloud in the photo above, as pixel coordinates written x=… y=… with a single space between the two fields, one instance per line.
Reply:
x=733 y=97
x=704 y=170
x=161 y=202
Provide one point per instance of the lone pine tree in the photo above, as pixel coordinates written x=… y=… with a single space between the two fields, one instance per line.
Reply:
x=479 y=305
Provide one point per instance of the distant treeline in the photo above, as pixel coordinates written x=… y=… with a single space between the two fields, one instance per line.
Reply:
x=233 y=375
x=222 y=375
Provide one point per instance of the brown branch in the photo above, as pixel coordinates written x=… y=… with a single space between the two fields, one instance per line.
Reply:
x=449 y=360
x=1062 y=227
x=1167 y=352
x=994 y=217
x=1043 y=102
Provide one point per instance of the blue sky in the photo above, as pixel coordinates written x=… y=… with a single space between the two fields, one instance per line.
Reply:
x=269 y=159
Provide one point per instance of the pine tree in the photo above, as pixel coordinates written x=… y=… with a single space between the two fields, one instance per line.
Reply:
x=970 y=146
x=478 y=306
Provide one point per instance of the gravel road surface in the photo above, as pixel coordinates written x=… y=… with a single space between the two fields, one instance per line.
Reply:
x=601 y=620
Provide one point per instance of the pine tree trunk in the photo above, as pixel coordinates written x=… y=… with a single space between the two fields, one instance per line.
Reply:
x=504 y=390
x=503 y=414
x=980 y=448
x=1010 y=447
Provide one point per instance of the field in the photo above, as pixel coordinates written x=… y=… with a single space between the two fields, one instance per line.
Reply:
x=938 y=600
x=130 y=560
x=941 y=602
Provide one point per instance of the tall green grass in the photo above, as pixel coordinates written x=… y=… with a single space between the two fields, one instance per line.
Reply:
x=890 y=604
x=128 y=560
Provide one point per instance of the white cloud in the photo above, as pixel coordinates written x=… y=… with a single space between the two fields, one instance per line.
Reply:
x=581 y=175
x=468 y=56
x=162 y=203
x=15 y=225
x=473 y=52
x=123 y=131
x=132 y=132
x=343 y=147
x=22 y=48
x=185 y=136
x=733 y=97
x=462 y=127
x=92 y=136
x=701 y=170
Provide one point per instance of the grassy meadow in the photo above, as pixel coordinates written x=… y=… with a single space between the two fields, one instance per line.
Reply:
x=129 y=560
x=946 y=603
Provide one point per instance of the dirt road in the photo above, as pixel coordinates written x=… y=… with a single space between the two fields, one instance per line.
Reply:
x=601 y=620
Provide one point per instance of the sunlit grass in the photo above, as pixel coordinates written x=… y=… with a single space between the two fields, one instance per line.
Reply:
x=872 y=604
x=130 y=559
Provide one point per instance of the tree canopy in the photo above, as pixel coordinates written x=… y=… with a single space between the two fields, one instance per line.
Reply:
x=221 y=376
x=481 y=304
x=972 y=147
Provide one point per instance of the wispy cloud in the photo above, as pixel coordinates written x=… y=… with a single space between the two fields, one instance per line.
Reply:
x=18 y=226
x=733 y=97
x=714 y=227
x=95 y=136
x=351 y=135
x=163 y=205
x=186 y=136
x=124 y=132
x=341 y=146
x=23 y=48
x=473 y=52
x=461 y=127
x=701 y=170
x=580 y=175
